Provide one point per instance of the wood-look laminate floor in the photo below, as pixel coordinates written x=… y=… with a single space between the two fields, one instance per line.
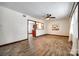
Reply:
x=48 y=45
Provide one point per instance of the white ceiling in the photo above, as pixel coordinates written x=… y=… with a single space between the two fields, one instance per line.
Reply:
x=40 y=9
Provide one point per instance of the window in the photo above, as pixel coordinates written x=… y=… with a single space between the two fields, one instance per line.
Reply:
x=40 y=25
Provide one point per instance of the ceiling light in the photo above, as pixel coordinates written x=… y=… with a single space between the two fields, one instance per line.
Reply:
x=47 y=18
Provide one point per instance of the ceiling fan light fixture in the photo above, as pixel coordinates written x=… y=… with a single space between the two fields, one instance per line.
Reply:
x=47 y=18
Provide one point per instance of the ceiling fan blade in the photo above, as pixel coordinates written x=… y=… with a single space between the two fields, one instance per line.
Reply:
x=48 y=17
x=52 y=17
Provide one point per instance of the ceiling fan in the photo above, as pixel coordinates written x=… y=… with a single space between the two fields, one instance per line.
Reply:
x=48 y=17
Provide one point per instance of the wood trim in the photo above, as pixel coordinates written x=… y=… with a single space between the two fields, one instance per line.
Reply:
x=12 y=43
x=59 y=35
x=41 y=35
x=31 y=20
x=51 y=34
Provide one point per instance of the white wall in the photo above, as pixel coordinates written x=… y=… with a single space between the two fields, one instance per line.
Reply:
x=13 y=26
x=63 y=27
x=39 y=32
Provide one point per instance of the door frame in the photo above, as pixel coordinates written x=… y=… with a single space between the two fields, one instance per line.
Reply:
x=28 y=26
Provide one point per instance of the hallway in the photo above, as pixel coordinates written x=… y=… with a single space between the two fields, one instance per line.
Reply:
x=47 y=45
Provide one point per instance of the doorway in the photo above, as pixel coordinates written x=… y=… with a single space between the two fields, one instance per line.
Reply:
x=30 y=24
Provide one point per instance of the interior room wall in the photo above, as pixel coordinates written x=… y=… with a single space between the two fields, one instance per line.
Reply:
x=63 y=27
x=13 y=26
